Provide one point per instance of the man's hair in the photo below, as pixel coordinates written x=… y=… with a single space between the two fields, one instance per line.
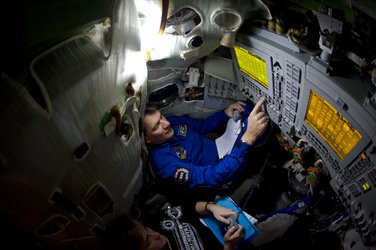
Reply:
x=124 y=233
x=149 y=110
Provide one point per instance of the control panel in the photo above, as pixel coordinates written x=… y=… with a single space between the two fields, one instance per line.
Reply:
x=333 y=115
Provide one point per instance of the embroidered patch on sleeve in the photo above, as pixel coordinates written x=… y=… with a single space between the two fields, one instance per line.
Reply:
x=180 y=152
x=181 y=175
x=182 y=129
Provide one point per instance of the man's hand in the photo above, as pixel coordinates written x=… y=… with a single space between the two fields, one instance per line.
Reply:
x=257 y=123
x=237 y=105
x=232 y=237
x=222 y=213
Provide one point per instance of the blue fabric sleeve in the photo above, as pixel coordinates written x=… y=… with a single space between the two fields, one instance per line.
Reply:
x=209 y=176
x=202 y=126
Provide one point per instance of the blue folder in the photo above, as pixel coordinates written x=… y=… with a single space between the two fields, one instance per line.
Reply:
x=218 y=228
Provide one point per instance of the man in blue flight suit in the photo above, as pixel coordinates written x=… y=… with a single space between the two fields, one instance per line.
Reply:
x=181 y=153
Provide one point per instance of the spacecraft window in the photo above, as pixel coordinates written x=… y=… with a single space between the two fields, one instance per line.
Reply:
x=164 y=96
x=226 y=19
x=183 y=21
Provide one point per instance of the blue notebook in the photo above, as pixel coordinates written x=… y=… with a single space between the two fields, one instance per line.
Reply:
x=218 y=228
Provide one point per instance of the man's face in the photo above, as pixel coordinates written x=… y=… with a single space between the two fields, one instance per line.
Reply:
x=153 y=240
x=157 y=129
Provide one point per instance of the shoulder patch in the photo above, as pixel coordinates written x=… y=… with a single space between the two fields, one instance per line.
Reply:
x=180 y=152
x=181 y=175
x=182 y=129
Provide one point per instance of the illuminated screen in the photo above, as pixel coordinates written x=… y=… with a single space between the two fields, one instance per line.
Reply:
x=331 y=125
x=252 y=65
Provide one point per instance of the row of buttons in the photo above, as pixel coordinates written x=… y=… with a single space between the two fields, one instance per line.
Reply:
x=333 y=163
x=292 y=89
x=248 y=87
x=293 y=78
x=293 y=72
x=354 y=206
x=317 y=145
x=219 y=88
x=354 y=171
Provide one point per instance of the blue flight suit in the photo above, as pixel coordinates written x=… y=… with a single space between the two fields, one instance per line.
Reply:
x=191 y=160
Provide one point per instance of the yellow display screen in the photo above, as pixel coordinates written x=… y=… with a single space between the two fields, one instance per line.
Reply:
x=330 y=125
x=252 y=65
